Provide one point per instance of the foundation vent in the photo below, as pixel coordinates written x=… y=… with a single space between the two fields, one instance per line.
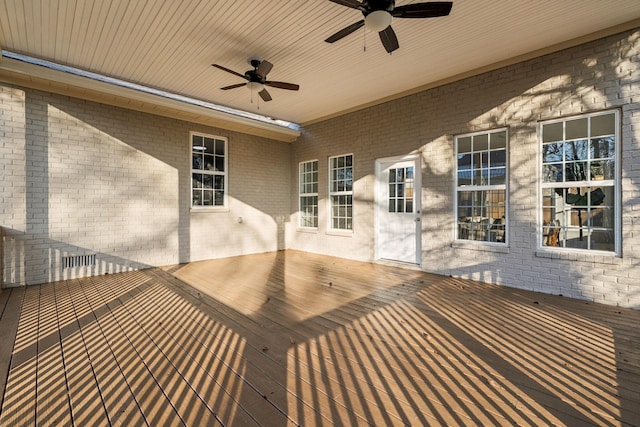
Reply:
x=78 y=260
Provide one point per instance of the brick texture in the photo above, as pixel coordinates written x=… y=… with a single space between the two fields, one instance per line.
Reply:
x=85 y=178
x=600 y=75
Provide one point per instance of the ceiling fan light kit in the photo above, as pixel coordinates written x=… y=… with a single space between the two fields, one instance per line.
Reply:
x=377 y=20
x=255 y=86
x=379 y=13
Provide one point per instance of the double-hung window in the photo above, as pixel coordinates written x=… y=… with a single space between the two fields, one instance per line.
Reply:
x=308 y=194
x=579 y=183
x=208 y=171
x=341 y=192
x=481 y=186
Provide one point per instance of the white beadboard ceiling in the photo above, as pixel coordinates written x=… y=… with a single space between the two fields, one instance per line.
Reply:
x=170 y=44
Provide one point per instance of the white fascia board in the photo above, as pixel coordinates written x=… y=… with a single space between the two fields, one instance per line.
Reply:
x=280 y=130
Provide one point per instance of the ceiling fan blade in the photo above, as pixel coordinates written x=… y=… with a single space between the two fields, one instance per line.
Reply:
x=345 y=32
x=423 y=10
x=353 y=4
x=283 y=85
x=228 y=70
x=389 y=39
x=264 y=95
x=264 y=68
x=233 y=86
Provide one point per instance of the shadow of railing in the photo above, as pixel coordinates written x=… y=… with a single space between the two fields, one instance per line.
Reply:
x=316 y=341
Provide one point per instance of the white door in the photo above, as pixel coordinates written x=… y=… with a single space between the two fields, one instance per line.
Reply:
x=398 y=229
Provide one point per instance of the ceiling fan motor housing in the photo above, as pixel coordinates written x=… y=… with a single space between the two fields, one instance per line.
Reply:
x=387 y=5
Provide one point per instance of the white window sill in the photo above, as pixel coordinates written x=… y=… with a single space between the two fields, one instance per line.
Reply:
x=209 y=210
x=307 y=230
x=343 y=233
x=481 y=246
x=601 y=257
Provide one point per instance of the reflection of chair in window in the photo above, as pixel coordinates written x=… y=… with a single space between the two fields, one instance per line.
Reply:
x=497 y=230
x=551 y=233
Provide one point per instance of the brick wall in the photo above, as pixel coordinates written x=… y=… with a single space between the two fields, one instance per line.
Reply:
x=596 y=76
x=85 y=178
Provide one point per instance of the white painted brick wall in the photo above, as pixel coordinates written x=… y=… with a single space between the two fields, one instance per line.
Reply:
x=599 y=75
x=83 y=178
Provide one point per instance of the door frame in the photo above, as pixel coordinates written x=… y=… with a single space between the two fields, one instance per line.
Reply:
x=417 y=201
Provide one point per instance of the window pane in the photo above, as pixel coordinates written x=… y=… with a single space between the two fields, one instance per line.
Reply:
x=464 y=161
x=603 y=125
x=464 y=178
x=208 y=162
x=464 y=145
x=197 y=143
x=480 y=142
x=601 y=217
x=197 y=197
x=498 y=140
x=498 y=176
x=219 y=182
x=409 y=173
x=197 y=162
x=575 y=171
x=576 y=150
x=552 y=132
x=219 y=166
x=219 y=198
x=577 y=128
x=602 y=240
x=484 y=162
x=219 y=150
x=207 y=181
x=465 y=198
x=209 y=146
x=207 y=198
x=552 y=173
x=498 y=158
x=552 y=152
x=196 y=180
x=603 y=148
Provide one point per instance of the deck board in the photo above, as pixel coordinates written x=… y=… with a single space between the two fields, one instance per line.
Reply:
x=291 y=338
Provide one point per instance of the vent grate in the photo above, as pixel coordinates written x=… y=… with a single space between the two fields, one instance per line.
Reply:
x=78 y=260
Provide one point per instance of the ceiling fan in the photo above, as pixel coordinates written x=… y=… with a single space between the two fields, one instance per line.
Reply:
x=257 y=79
x=378 y=14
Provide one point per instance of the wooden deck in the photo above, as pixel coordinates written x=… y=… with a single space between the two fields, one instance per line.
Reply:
x=290 y=338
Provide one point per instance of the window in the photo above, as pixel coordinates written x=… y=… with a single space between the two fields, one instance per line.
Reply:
x=579 y=182
x=341 y=192
x=309 y=194
x=481 y=194
x=208 y=171
x=401 y=183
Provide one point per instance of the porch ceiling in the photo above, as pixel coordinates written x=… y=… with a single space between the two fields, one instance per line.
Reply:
x=171 y=45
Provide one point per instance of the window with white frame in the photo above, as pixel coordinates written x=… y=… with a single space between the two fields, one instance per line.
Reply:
x=481 y=187
x=208 y=171
x=341 y=192
x=308 y=192
x=579 y=183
